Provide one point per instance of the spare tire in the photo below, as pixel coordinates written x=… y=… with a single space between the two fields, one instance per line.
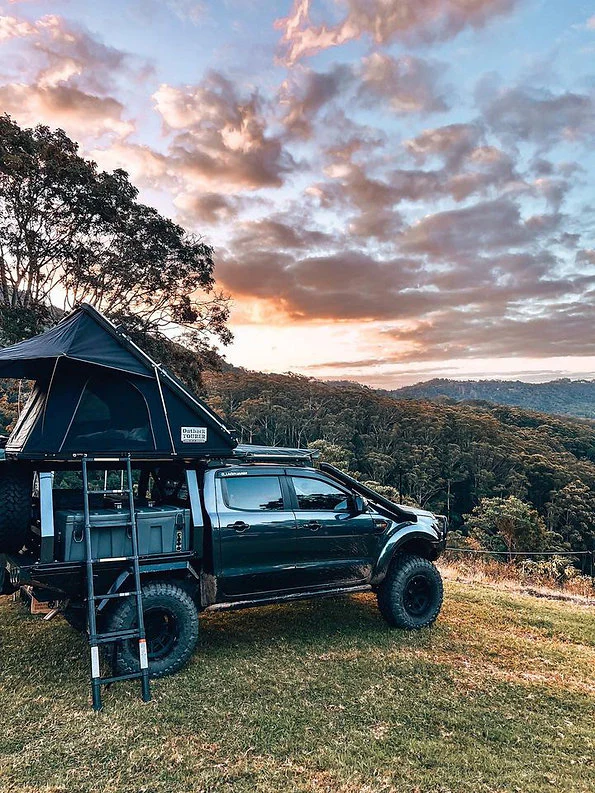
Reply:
x=15 y=506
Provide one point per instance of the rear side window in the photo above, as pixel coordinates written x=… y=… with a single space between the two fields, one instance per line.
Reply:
x=254 y=493
x=315 y=494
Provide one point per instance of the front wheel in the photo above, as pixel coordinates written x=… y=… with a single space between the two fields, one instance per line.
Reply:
x=411 y=594
x=171 y=626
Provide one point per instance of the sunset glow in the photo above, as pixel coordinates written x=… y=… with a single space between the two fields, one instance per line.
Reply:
x=395 y=189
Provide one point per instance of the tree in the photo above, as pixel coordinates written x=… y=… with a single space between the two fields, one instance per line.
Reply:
x=333 y=453
x=507 y=524
x=71 y=233
x=571 y=515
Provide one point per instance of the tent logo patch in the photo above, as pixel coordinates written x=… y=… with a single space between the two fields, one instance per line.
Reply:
x=194 y=435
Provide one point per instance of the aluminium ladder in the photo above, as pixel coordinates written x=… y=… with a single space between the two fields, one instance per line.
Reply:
x=97 y=638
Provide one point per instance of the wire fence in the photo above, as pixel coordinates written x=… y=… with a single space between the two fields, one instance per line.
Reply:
x=563 y=554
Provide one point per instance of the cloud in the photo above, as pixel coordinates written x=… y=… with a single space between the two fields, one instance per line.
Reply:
x=385 y=21
x=451 y=142
x=349 y=284
x=466 y=167
x=489 y=225
x=407 y=84
x=279 y=232
x=68 y=80
x=13 y=28
x=306 y=92
x=146 y=166
x=537 y=115
x=208 y=207
x=221 y=138
x=188 y=10
x=80 y=113
x=563 y=329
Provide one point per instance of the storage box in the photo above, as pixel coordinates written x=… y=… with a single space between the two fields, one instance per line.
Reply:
x=160 y=530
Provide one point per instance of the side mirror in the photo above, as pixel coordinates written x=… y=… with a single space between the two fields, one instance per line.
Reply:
x=352 y=505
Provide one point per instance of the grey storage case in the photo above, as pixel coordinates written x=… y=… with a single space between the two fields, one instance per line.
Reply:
x=160 y=530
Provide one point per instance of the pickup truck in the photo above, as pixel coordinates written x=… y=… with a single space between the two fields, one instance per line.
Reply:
x=127 y=504
x=234 y=534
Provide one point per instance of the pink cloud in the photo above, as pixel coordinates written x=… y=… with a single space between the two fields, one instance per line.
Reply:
x=68 y=80
x=65 y=106
x=221 y=138
x=408 y=84
x=384 y=21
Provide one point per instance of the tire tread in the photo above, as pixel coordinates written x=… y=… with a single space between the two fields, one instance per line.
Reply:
x=389 y=592
x=124 y=616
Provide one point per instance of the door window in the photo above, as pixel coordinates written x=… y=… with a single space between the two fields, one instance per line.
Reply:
x=316 y=494
x=253 y=493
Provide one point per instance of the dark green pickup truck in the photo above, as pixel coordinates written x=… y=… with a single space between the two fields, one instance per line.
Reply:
x=128 y=505
x=237 y=534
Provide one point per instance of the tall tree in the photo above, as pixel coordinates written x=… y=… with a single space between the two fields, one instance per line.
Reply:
x=70 y=232
x=507 y=524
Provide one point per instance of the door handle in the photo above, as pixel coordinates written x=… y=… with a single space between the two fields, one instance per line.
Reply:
x=239 y=526
x=313 y=525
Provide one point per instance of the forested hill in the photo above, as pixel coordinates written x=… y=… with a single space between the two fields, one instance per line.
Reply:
x=442 y=456
x=564 y=397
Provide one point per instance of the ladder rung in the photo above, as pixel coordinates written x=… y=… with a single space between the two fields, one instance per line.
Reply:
x=114 y=636
x=111 y=595
x=105 y=459
x=116 y=678
x=114 y=559
x=109 y=492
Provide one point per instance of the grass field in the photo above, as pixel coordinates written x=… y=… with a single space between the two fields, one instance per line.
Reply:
x=320 y=696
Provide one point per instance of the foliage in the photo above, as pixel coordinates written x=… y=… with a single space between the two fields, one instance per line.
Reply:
x=564 y=396
x=571 y=514
x=12 y=395
x=68 y=229
x=507 y=524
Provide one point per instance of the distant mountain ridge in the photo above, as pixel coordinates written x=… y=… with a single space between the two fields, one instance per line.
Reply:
x=564 y=397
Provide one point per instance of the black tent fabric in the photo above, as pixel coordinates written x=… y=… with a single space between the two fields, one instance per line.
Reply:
x=97 y=392
x=85 y=336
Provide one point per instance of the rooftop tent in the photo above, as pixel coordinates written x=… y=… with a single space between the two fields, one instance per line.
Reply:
x=97 y=392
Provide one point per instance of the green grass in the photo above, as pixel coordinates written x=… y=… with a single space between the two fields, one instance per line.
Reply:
x=320 y=696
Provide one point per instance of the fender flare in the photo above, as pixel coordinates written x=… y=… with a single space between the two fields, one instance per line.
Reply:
x=401 y=536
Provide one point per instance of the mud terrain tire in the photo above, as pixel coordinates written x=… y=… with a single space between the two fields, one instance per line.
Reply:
x=171 y=624
x=15 y=506
x=411 y=595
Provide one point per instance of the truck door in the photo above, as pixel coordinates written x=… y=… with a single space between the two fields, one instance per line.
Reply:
x=334 y=546
x=257 y=542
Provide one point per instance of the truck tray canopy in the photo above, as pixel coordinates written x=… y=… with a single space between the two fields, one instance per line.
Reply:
x=96 y=392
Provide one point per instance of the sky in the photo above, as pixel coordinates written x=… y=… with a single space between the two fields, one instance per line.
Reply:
x=395 y=189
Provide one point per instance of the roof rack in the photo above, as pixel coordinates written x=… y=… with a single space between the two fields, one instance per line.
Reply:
x=250 y=453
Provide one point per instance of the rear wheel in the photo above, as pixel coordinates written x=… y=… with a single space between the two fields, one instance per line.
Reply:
x=411 y=595
x=15 y=506
x=171 y=626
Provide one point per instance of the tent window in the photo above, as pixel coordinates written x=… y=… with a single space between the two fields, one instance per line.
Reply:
x=111 y=416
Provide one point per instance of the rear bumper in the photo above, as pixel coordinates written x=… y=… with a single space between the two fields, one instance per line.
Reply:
x=68 y=580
